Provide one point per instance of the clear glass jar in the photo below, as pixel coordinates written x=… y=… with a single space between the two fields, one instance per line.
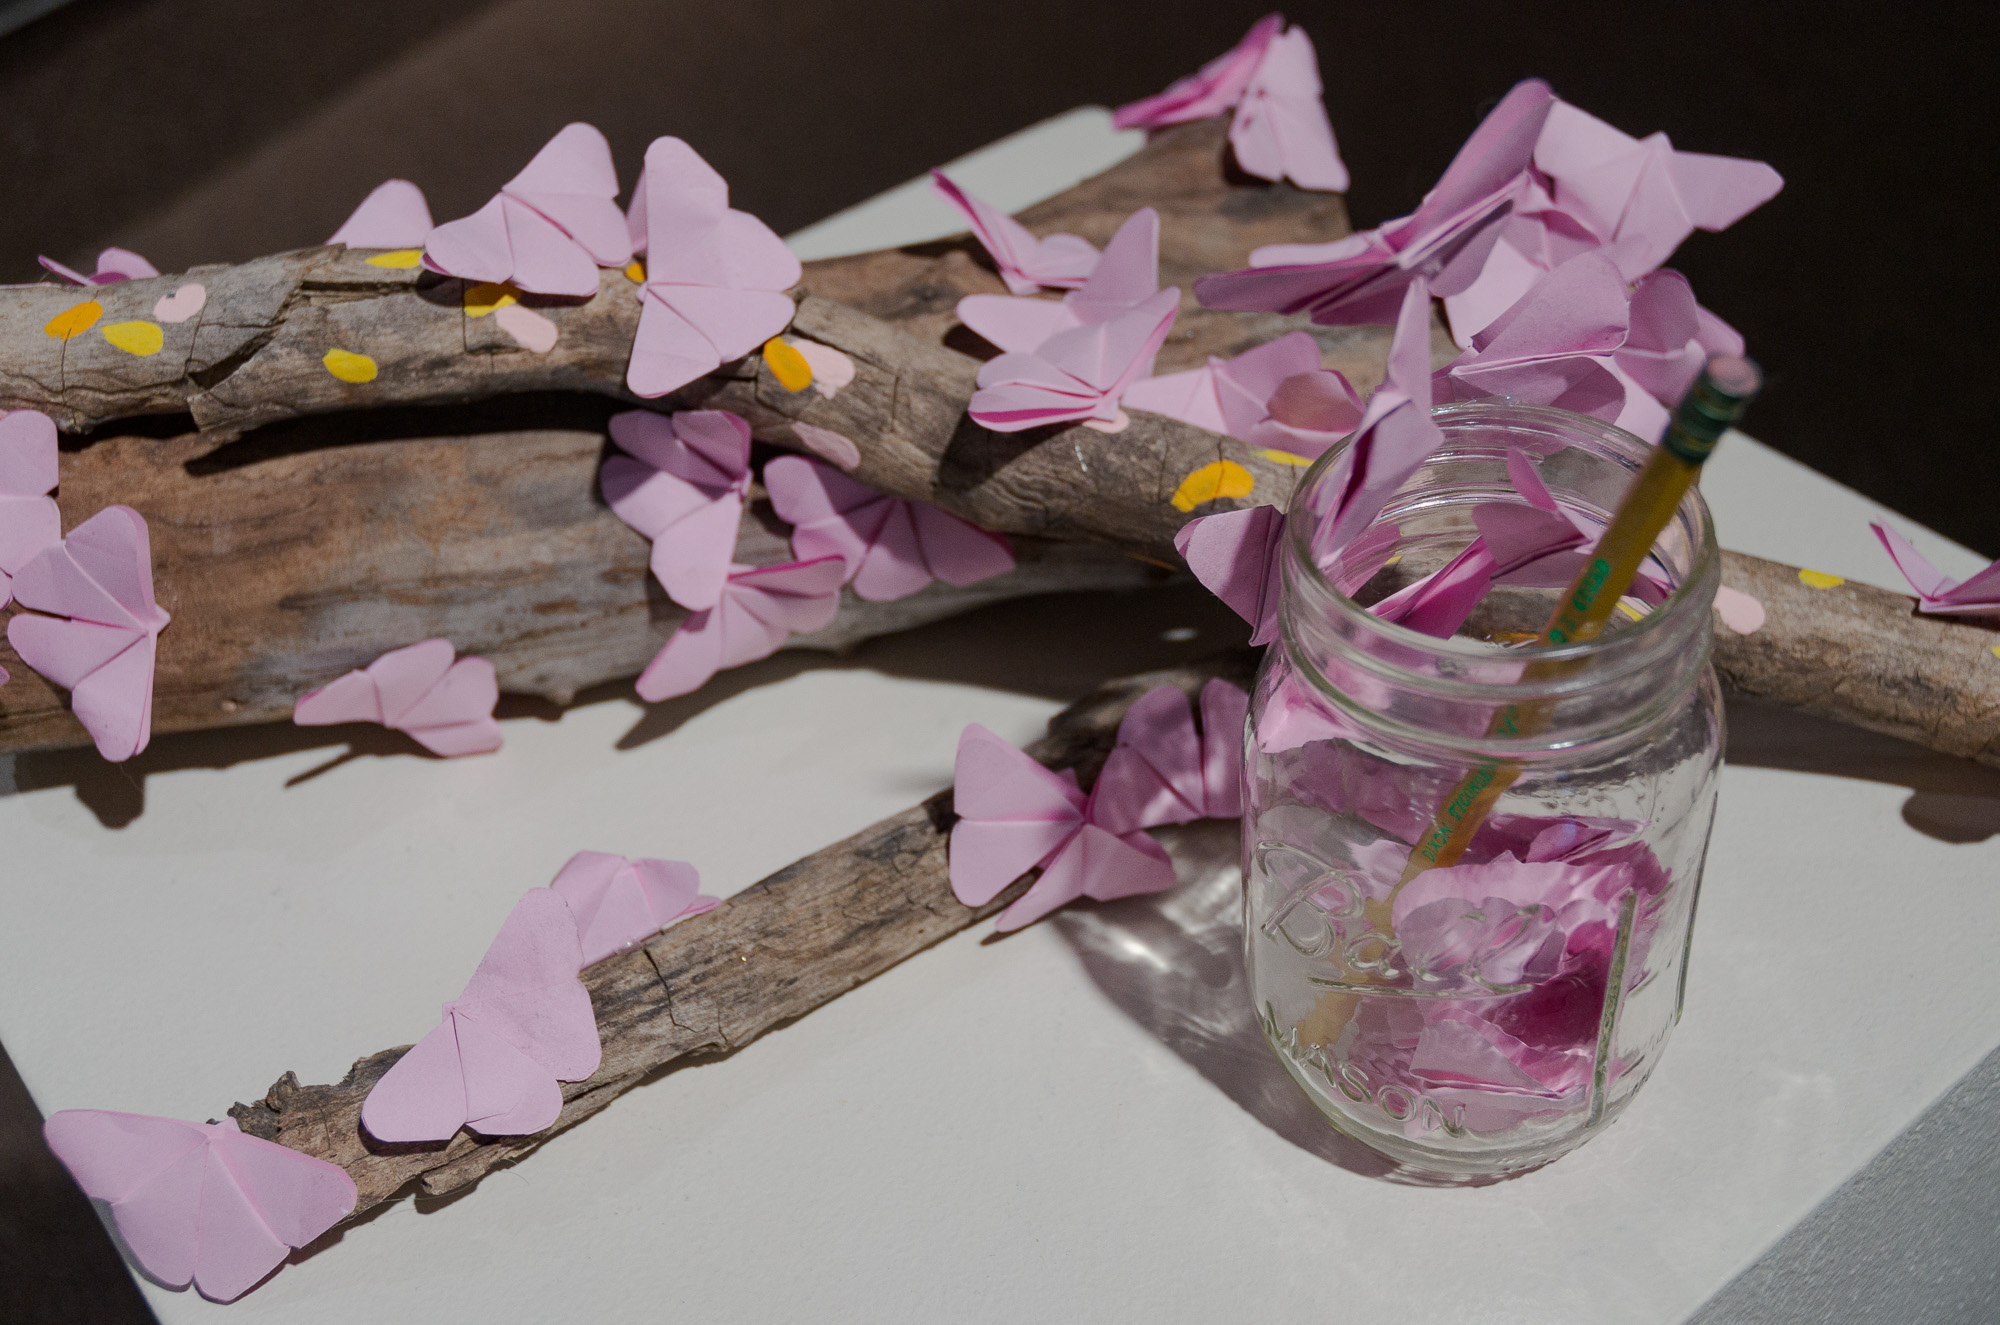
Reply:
x=1488 y=1016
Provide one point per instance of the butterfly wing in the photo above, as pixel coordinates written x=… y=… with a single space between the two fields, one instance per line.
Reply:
x=734 y=322
x=1225 y=714
x=691 y=556
x=955 y=551
x=691 y=655
x=894 y=565
x=1061 y=882
x=1127 y=274
x=1127 y=865
x=115 y=701
x=831 y=514
x=546 y=259
x=393 y=215
x=455 y=716
x=149 y=1170
x=1159 y=730
x=422 y=1095
x=349 y=698
x=795 y=598
x=1014 y=325
x=1235 y=554
x=1188 y=396
x=473 y=248
x=526 y=991
x=1012 y=812
x=668 y=351
x=507 y=1091
x=1281 y=129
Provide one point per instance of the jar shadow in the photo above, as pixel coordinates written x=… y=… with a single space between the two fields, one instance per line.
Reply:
x=1173 y=963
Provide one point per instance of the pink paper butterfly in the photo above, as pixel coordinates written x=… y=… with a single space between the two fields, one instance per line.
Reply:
x=29 y=520
x=393 y=215
x=523 y=1025
x=446 y=706
x=1015 y=815
x=113 y=265
x=682 y=484
x=714 y=275
x=1281 y=130
x=1163 y=772
x=200 y=1202
x=1025 y=262
x=1232 y=396
x=1361 y=279
x=891 y=548
x=619 y=903
x=549 y=228
x=100 y=642
x=1977 y=595
x=760 y=608
x=1235 y=555
x=1216 y=87
x=1073 y=360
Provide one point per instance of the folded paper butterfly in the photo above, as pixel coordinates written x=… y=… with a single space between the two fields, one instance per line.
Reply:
x=29 y=519
x=200 y=1203
x=113 y=265
x=446 y=706
x=619 y=903
x=1235 y=555
x=1977 y=595
x=1360 y=279
x=393 y=215
x=759 y=609
x=1162 y=771
x=1073 y=359
x=1271 y=78
x=682 y=483
x=549 y=228
x=715 y=276
x=101 y=636
x=891 y=547
x=1276 y=395
x=1015 y=815
x=1024 y=262
x=494 y=1064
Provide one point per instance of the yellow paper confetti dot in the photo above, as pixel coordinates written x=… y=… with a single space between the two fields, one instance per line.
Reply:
x=349 y=366
x=1819 y=579
x=1224 y=478
x=399 y=259
x=1286 y=458
x=141 y=338
x=75 y=321
x=1993 y=649
x=787 y=365
x=487 y=296
x=635 y=271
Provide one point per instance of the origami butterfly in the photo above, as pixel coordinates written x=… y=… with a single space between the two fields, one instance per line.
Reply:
x=682 y=484
x=1024 y=262
x=113 y=265
x=618 y=902
x=549 y=228
x=1232 y=396
x=1671 y=337
x=1235 y=555
x=1977 y=595
x=714 y=275
x=1015 y=815
x=1271 y=77
x=891 y=548
x=493 y=1065
x=1074 y=359
x=446 y=706
x=200 y=1202
x=100 y=641
x=760 y=608
x=1162 y=772
x=1360 y=279
x=29 y=519
x=393 y=215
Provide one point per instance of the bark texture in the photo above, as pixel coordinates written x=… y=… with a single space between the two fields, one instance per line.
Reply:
x=708 y=986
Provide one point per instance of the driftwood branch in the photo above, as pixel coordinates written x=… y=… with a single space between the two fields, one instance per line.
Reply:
x=705 y=988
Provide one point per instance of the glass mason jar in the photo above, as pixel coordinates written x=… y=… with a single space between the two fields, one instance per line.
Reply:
x=1482 y=1017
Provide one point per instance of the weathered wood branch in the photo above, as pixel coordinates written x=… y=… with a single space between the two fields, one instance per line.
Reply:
x=709 y=986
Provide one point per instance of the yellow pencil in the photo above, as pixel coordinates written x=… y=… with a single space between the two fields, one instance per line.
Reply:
x=1717 y=399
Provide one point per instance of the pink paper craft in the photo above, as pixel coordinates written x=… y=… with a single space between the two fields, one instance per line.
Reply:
x=832 y=371
x=1361 y=279
x=1978 y=595
x=1235 y=554
x=891 y=547
x=1230 y=396
x=1281 y=130
x=549 y=228
x=682 y=483
x=760 y=608
x=1671 y=337
x=200 y=1203
x=113 y=265
x=1309 y=413
x=446 y=706
x=1015 y=815
x=836 y=449
x=619 y=903
x=1215 y=88
x=523 y=1025
x=393 y=215
x=1025 y=263
x=29 y=519
x=1162 y=772
x=101 y=636
x=1073 y=361
x=714 y=275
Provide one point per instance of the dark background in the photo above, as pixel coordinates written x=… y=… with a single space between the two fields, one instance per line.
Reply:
x=217 y=130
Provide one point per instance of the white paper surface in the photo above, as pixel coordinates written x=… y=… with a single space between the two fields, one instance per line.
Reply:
x=1075 y=1124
